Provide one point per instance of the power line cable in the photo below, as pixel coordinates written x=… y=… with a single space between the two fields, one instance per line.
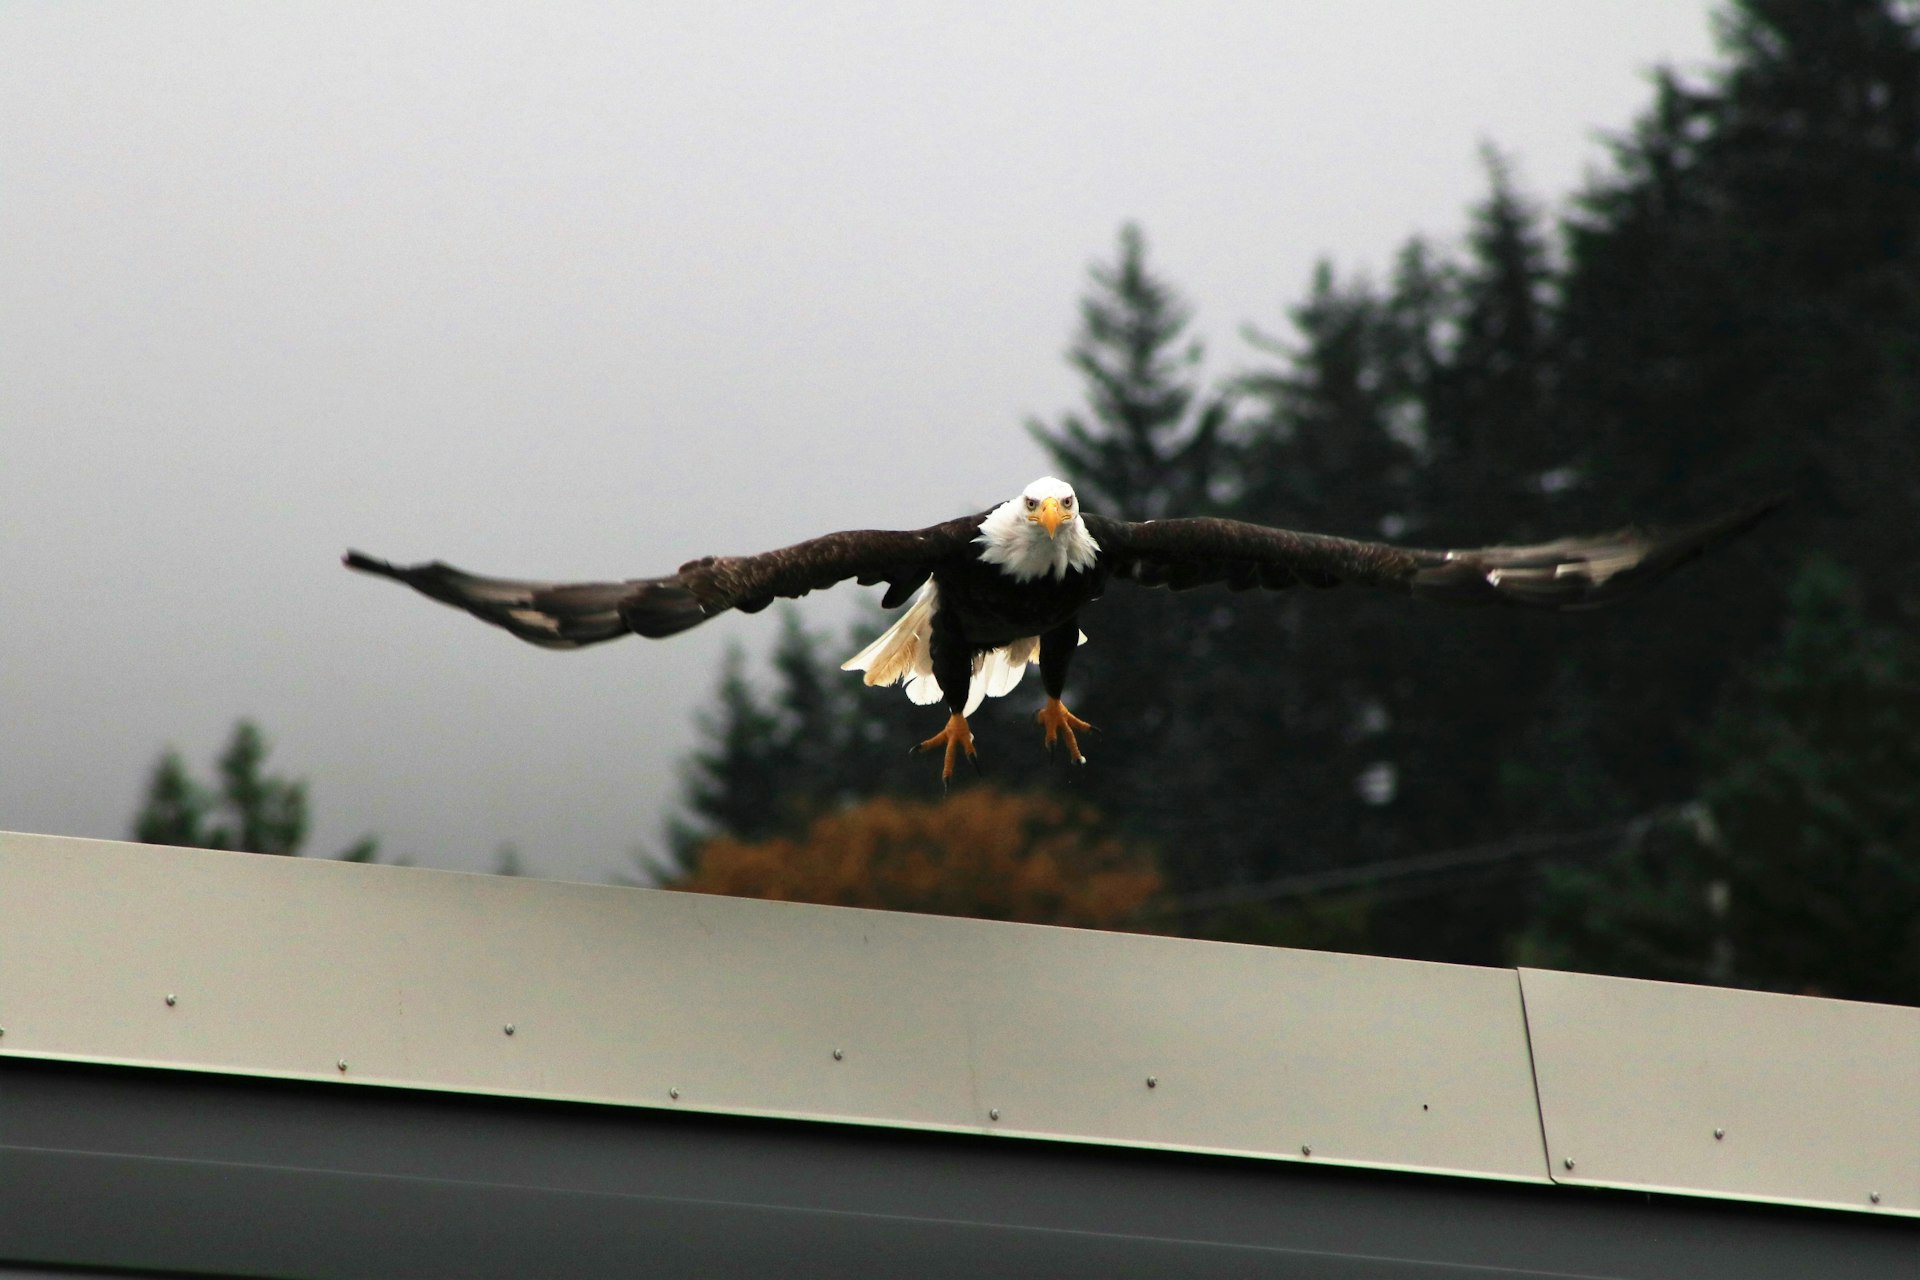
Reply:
x=1491 y=855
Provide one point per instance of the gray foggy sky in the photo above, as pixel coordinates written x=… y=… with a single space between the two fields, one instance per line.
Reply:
x=584 y=291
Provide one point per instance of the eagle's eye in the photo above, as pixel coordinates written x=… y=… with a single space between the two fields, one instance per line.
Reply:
x=1032 y=503
x=1067 y=502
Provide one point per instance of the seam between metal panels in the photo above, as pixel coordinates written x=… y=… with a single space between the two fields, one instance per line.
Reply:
x=1533 y=1074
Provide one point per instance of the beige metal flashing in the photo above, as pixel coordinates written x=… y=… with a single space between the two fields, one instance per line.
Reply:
x=302 y=968
x=291 y=967
x=1661 y=1087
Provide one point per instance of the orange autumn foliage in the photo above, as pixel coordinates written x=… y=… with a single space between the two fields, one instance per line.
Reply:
x=982 y=853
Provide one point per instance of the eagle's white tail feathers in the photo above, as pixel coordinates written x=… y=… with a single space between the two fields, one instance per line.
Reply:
x=997 y=672
x=905 y=652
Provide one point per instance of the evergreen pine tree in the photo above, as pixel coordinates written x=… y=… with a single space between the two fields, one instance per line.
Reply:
x=174 y=811
x=733 y=782
x=1152 y=442
x=1739 y=316
x=249 y=810
x=1326 y=449
x=1799 y=870
x=1490 y=744
x=817 y=740
x=1152 y=446
x=1421 y=416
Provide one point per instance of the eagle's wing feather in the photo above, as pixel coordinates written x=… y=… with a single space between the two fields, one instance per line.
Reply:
x=567 y=615
x=1570 y=573
x=901 y=558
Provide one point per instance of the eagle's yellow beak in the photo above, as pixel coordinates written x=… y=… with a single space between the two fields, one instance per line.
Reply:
x=1050 y=516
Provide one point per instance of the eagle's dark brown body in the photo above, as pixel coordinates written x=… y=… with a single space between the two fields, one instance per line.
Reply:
x=991 y=610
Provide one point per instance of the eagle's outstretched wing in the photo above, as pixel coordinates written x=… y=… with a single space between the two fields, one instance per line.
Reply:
x=567 y=615
x=1570 y=573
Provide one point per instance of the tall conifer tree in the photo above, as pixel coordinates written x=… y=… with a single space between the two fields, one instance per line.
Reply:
x=1153 y=442
x=1799 y=870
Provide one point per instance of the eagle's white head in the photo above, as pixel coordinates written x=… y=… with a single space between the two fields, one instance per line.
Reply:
x=1038 y=533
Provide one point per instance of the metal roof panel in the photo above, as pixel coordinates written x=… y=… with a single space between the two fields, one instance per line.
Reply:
x=1659 y=1086
x=412 y=977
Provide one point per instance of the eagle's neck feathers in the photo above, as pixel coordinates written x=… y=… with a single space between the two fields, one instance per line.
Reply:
x=1022 y=550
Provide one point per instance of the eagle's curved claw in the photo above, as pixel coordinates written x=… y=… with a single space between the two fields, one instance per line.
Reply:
x=955 y=737
x=1057 y=720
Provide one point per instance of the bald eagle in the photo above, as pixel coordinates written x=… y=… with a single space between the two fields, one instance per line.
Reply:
x=1004 y=588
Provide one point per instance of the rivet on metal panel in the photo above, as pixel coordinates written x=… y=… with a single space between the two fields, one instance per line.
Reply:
x=994 y=1114
x=837 y=1055
x=1305 y=1150
x=172 y=999
x=508 y=1028
x=1568 y=1162
x=673 y=1093
x=1874 y=1196
x=1153 y=1082
x=342 y=1064
x=1718 y=1134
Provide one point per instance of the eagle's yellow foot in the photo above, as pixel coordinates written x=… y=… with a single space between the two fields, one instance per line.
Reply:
x=955 y=737
x=1057 y=720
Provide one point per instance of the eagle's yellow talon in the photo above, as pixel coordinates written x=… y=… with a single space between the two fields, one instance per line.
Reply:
x=1057 y=720
x=955 y=737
